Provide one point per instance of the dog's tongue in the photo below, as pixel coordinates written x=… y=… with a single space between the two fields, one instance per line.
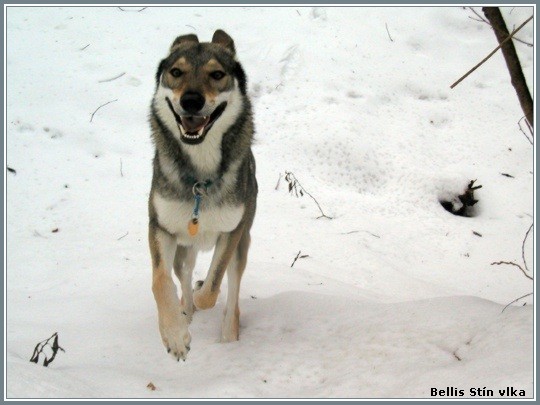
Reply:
x=194 y=123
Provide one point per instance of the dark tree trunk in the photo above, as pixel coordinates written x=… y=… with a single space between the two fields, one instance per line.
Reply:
x=495 y=18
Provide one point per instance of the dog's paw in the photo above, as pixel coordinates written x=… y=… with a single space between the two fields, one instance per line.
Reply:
x=176 y=337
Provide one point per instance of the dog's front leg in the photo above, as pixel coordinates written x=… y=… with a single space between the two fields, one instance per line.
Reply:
x=173 y=323
x=206 y=293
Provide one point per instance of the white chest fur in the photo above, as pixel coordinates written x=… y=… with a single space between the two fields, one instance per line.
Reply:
x=174 y=216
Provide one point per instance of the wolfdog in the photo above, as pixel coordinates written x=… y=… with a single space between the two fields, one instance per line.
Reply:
x=204 y=189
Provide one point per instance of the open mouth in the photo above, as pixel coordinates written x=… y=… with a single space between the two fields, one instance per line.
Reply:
x=193 y=128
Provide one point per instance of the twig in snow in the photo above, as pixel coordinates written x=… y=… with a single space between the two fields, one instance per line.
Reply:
x=492 y=53
x=132 y=11
x=477 y=234
x=528 y=127
x=123 y=236
x=83 y=48
x=516 y=300
x=482 y=19
x=299 y=256
x=192 y=27
x=278 y=181
x=121 y=171
x=299 y=191
x=11 y=170
x=102 y=105
x=523 y=270
x=361 y=230
x=41 y=345
x=112 y=78
x=388 y=32
x=523 y=247
x=512 y=264
x=507 y=175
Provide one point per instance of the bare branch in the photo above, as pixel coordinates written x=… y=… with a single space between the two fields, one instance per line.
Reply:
x=123 y=236
x=523 y=247
x=296 y=258
x=297 y=188
x=113 y=78
x=132 y=11
x=277 y=184
x=388 y=32
x=102 y=105
x=513 y=264
x=492 y=53
x=482 y=19
x=516 y=300
x=528 y=127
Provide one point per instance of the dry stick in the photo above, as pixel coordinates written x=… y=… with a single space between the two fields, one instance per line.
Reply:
x=517 y=78
x=389 y=36
x=323 y=215
x=516 y=300
x=296 y=258
x=482 y=19
x=123 y=236
x=121 y=172
x=133 y=11
x=102 y=105
x=278 y=181
x=113 y=78
x=82 y=49
x=523 y=132
x=491 y=54
x=523 y=247
x=513 y=264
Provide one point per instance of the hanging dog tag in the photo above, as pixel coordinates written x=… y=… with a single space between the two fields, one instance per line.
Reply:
x=193 y=227
x=193 y=224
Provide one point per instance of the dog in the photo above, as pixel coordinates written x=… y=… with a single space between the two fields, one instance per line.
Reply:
x=204 y=190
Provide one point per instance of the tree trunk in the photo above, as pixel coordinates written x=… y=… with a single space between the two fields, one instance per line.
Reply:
x=493 y=14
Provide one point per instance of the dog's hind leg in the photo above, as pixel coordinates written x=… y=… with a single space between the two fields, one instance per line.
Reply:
x=231 y=317
x=173 y=324
x=206 y=293
x=184 y=262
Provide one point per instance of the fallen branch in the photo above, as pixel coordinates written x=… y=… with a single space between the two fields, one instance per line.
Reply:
x=132 y=11
x=482 y=19
x=516 y=300
x=528 y=127
x=299 y=191
x=517 y=78
x=512 y=264
x=388 y=32
x=112 y=78
x=123 y=236
x=523 y=246
x=361 y=230
x=41 y=345
x=492 y=53
x=102 y=105
x=298 y=256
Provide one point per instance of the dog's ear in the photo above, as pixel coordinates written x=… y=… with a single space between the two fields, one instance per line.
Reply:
x=184 y=39
x=222 y=38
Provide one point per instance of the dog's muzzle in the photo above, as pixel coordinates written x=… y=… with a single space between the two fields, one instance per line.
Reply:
x=193 y=128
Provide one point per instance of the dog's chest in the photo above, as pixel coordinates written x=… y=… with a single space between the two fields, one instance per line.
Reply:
x=174 y=216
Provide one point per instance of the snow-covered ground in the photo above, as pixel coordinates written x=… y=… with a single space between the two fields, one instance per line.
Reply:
x=396 y=296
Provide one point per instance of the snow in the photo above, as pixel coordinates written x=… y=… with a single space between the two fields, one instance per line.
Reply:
x=396 y=296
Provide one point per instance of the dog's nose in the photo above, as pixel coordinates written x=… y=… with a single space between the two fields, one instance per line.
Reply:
x=192 y=102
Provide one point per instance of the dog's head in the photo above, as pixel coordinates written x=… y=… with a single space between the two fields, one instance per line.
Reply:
x=198 y=86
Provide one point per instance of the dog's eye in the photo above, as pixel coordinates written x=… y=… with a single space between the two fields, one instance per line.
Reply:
x=175 y=72
x=217 y=75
